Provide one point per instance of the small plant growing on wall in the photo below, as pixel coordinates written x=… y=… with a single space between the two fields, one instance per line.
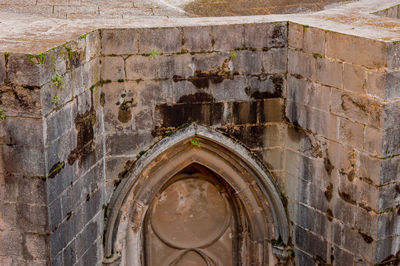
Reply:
x=195 y=142
x=57 y=82
x=154 y=53
x=55 y=100
x=2 y=116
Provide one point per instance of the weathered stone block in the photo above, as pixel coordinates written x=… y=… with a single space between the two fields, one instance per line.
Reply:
x=210 y=61
x=274 y=157
x=85 y=239
x=231 y=90
x=163 y=40
x=295 y=35
x=342 y=257
x=266 y=86
x=2 y=68
x=91 y=73
x=55 y=94
x=141 y=67
x=391 y=141
x=375 y=84
x=388 y=224
x=353 y=78
x=369 y=169
x=228 y=37
x=55 y=216
x=367 y=222
x=343 y=211
x=373 y=140
x=387 y=248
x=392 y=87
x=312 y=220
x=314 y=41
x=157 y=92
x=390 y=171
x=24 y=131
x=314 y=245
x=24 y=160
x=265 y=35
x=37 y=246
x=357 y=50
x=174 y=66
x=21 y=101
x=32 y=218
x=359 y=244
x=275 y=61
x=113 y=68
x=93 y=45
x=393 y=54
x=247 y=62
x=58 y=123
x=69 y=254
x=271 y=110
x=127 y=143
x=119 y=41
x=391 y=115
x=28 y=70
x=363 y=110
x=197 y=39
x=11 y=243
x=60 y=182
x=351 y=133
x=389 y=196
x=329 y=72
x=301 y=64
x=302 y=258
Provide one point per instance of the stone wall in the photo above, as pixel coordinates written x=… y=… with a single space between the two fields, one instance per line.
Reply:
x=342 y=102
x=391 y=12
x=319 y=108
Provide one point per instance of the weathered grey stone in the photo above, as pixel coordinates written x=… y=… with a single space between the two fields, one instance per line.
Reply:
x=265 y=35
x=127 y=143
x=113 y=68
x=312 y=220
x=390 y=170
x=314 y=41
x=301 y=64
x=357 y=50
x=69 y=254
x=84 y=102
x=92 y=254
x=387 y=247
x=360 y=109
x=393 y=54
x=351 y=133
x=271 y=110
x=342 y=257
x=55 y=216
x=55 y=94
x=353 y=78
x=302 y=258
x=392 y=84
x=93 y=45
x=210 y=61
x=60 y=182
x=295 y=35
x=389 y=196
x=247 y=62
x=228 y=37
x=24 y=131
x=32 y=218
x=373 y=140
x=24 y=160
x=375 y=84
x=119 y=41
x=274 y=157
x=21 y=101
x=391 y=141
x=314 y=245
x=343 y=211
x=367 y=222
x=141 y=67
x=162 y=40
x=329 y=72
x=388 y=224
x=86 y=238
x=2 y=68
x=11 y=243
x=359 y=244
x=28 y=70
x=369 y=168
x=36 y=246
x=275 y=61
x=197 y=39
x=231 y=90
x=58 y=123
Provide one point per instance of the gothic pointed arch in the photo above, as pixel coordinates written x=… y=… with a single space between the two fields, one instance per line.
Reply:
x=253 y=194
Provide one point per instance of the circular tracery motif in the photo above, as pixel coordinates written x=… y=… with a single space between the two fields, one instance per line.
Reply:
x=190 y=213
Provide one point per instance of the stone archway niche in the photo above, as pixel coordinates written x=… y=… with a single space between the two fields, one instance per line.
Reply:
x=243 y=200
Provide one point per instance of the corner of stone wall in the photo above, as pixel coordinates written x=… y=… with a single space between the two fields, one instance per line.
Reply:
x=342 y=144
